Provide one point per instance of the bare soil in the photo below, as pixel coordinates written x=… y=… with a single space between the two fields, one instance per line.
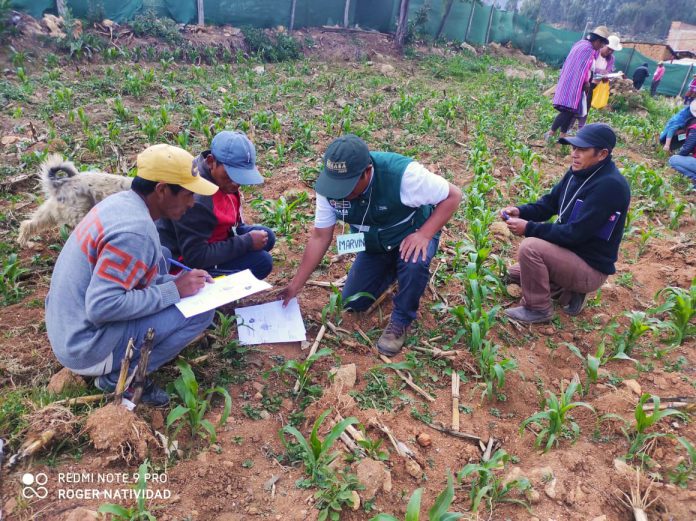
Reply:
x=228 y=480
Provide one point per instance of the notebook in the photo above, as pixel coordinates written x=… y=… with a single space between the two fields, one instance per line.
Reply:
x=605 y=231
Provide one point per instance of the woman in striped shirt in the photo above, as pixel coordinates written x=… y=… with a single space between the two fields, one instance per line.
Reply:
x=570 y=99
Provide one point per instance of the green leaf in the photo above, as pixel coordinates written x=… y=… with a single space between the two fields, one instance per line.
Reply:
x=210 y=428
x=443 y=501
x=175 y=414
x=414 y=505
x=116 y=510
x=336 y=431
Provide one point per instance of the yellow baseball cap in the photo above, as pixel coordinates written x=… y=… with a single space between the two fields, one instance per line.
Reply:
x=169 y=164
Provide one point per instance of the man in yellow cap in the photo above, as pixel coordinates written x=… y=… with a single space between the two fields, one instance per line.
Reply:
x=110 y=281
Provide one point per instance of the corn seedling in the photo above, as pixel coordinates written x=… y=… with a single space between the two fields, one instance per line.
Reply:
x=686 y=468
x=438 y=512
x=623 y=343
x=139 y=511
x=372 y=448
x=648 y=233
x=282 y=215
x=676 y=214
x=301 y=369
x=493 y=370
x=556 y=416
x=11 y=272
x=195 y=404
x=488 y=487
x=122 y=113
x=316 y=453
x=679 y=308
x=639 y=435
x=591 y=363
x=337 y=304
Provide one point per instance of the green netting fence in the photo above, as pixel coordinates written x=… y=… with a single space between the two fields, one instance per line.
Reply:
x=468 y=21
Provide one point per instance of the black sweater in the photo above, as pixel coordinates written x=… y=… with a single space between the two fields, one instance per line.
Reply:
x=605 y=193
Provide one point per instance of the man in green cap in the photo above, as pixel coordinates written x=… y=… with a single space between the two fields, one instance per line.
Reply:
x=395 y=208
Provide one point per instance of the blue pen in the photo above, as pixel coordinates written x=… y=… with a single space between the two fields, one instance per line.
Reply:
x=179 y=265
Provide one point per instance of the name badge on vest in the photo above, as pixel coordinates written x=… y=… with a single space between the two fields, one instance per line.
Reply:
x=350 y=243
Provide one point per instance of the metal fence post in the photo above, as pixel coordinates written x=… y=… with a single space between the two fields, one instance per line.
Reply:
x=60 y=7
x=471 y=18
x=201 y=16
x=534 y=35
x=630 y=58
x=488 y=29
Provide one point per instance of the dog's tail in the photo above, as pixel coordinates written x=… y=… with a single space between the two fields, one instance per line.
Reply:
x=54 y=172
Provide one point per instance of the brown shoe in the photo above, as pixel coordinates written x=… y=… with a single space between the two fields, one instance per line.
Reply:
x=392 y=339
x=529 y=316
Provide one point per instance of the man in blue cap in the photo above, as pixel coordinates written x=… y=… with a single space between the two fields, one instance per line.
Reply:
x=212 y=235
x=395 y=208
x=573 y=256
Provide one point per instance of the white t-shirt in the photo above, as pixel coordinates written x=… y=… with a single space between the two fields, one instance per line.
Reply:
x=419 y=186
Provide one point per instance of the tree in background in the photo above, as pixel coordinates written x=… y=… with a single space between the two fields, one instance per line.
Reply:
x=647 y=19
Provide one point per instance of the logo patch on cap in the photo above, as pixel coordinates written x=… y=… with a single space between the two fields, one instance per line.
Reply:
x=339 y=167
x=194 y=170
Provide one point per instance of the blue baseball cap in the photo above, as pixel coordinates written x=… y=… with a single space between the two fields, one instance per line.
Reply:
x=238 y=155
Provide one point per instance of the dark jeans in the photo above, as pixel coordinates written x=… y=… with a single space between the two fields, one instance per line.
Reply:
x=653 y=88
x=259 y=262
x=374 y=273
x=563 y=120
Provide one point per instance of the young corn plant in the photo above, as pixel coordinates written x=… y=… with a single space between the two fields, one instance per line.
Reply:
x=623 y=343
x=492 y=369
x=301 y=369
x=639 y=435
x=556 y=417
x=282 y=215
x=438 y=512
x=679 y=308
x=591 y=363
x=139 y=511
x=316 y=453
x=11 y=273
x=686 y=468
x=195 y=404
x=333 y=310
x=489 y=488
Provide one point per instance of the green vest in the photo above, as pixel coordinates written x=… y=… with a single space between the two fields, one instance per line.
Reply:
x=380 y=206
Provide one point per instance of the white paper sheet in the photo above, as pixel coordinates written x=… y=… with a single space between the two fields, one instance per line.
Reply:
x=270 y=323
x=224 y=290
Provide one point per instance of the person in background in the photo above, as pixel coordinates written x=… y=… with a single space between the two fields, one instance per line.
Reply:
x=212 y=235
x=679 y=120
x=691 y=93
x=570 y=98
x=639 y=76
x=573 y=256
x=657 y=78
x=603 y=64
x=684 y=161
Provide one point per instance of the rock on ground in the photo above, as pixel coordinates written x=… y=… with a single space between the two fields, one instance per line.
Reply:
x=345 y=377
x=81 y=514
x=373 y=475
x=65 y=379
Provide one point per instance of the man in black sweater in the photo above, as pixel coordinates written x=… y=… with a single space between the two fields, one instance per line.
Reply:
x=574 y=255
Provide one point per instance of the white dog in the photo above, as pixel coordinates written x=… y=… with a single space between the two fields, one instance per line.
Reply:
x=69 y=195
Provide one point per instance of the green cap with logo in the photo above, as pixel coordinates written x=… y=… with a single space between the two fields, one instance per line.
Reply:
x=345 y=160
